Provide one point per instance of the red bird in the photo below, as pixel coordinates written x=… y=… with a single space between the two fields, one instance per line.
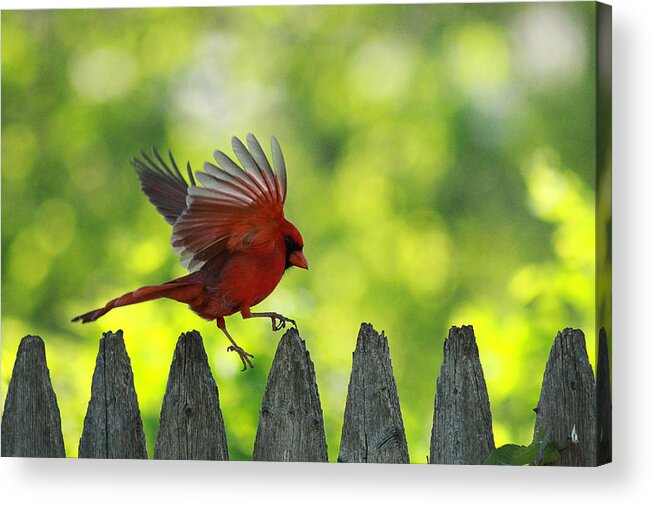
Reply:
x=230 y=233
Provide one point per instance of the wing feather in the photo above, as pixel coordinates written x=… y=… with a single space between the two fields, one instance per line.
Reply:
x=176 y=167
x=238 y=208
x=165 y=189
x=263 y=164
x=250 y=161
x=227 y=191
x=279 y=165
x=228 y=178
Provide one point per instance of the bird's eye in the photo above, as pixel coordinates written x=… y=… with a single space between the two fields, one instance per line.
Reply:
x=291 y=244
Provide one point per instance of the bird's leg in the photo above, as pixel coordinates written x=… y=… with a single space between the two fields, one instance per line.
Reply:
x=244 y=356
x=282 y=320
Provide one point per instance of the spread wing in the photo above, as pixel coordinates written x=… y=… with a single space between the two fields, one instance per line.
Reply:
x=238 y=208
x=165 y=187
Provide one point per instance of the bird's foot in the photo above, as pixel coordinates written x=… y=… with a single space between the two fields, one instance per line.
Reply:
x=244 y=356
x=282 y=322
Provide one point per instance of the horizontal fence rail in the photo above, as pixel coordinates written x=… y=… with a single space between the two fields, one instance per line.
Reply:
x=572 y=416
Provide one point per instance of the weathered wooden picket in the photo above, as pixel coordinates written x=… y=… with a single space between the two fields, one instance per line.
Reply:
x=573 y=412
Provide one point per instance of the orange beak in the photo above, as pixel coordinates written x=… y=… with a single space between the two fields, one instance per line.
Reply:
x=298 y=259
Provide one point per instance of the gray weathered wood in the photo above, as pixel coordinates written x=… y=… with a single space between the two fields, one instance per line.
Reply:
x=290 y=428
x=462 y=430
x=373 y=430
x=604 y=402
x=566 y=411
x=31 y=422
x=113 y=426
x=191 y=423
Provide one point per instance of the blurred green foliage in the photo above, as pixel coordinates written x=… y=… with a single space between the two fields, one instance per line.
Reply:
x=441 y=166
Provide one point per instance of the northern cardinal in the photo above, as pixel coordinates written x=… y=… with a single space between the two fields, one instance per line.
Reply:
x=230 y=233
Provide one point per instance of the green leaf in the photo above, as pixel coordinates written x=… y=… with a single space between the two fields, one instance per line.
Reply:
x=518 y=455
x=550 y=454
x=513 y=455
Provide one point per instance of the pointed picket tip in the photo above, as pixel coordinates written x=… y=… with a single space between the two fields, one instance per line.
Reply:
x=191 y=422
x=31 y=422
x=373 y=429
x=566 y=411
x=290 y=427
x=604 y=402
x=462 y=429
x=113 y=425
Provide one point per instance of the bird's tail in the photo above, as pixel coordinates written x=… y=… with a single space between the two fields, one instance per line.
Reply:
x=180 y=290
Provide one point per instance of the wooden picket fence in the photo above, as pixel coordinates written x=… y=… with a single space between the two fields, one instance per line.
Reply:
x=573 y=411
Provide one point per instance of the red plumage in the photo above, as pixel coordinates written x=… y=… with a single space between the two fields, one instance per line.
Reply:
x=231 y=233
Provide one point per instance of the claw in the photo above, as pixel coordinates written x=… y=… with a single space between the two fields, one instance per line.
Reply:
x=282 y=322
x=277 y=325
x=244 y=356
